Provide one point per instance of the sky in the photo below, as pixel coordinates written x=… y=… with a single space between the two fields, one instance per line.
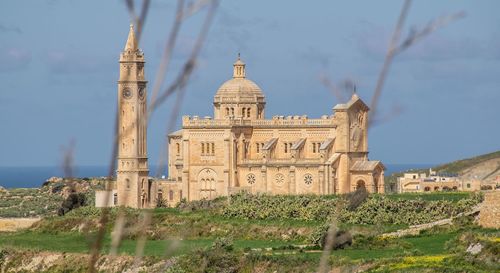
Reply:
x=59 y=72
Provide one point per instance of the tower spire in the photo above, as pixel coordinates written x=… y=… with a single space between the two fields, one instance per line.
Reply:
x=239 y=68
x=131 y=44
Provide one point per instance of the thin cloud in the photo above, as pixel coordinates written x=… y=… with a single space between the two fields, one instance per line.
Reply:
x=14 y=58
x=68 y=61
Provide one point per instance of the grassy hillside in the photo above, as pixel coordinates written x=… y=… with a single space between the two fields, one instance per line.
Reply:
x=455 y=167
x=460 y=165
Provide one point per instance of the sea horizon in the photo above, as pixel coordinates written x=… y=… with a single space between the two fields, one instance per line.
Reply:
x=35 y=176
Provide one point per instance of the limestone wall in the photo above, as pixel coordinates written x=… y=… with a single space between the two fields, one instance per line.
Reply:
x=489 y=217
x=14 y=224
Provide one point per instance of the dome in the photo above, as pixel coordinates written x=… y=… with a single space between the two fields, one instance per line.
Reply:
x=239 y=86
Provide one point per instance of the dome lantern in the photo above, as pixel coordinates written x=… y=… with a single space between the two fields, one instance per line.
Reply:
x=239 y=68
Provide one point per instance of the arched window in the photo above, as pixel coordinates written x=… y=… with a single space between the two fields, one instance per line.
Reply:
x=160 y=195
x=427 y=189
x=360 y=184
x=178 y=148
x=232 y=111
x=286 y=147
x=171 y=195
x=213 y=148
x=436 y=188
x=115 y=199
x=202 y=148
x=243 y=112
x=227 y=111
x=127 y=183
x=248 y=112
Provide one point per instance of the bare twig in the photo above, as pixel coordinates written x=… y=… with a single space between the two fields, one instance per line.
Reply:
x=330 y=240
x=416 y=36
x=68 y=159
x=347 y=86
x=185 y=74
x=388 y=60
x=395 y=49
x=167 y=53
x=138 y=20
x=141 y=241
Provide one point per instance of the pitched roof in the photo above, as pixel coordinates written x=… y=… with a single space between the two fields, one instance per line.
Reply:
x=298 y=144
x=354 y=99
x=333 y=158
x=362 y=165
x=176 y=133
x=326 y=143
x=270 y=143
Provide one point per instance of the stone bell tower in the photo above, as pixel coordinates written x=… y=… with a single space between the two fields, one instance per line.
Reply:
x=133 y=186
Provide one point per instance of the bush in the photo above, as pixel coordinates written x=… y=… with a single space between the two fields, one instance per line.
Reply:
x=376 y=209
x=319 y=237
x=357 y=198
x=219 y=258
x=203 y=204
x=74 y=200
x=161 y=203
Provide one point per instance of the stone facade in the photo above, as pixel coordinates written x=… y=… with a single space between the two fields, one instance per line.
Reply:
x=133 y=183
x=239 y=149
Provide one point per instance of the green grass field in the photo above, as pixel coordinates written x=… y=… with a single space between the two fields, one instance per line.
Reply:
x=79 y=243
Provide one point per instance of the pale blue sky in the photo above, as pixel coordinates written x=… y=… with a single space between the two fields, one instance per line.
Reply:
x=59 y=67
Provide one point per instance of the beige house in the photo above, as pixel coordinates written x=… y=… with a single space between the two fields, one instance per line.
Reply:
x=239 y=149
x=421 y=182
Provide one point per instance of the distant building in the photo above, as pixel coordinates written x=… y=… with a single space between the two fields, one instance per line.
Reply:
x=238 y=149
x=421 y=182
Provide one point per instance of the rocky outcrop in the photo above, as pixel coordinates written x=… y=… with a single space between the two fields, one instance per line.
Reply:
x=33 y=261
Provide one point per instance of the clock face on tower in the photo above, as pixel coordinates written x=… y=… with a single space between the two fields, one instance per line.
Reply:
x=126 y=93
x=142 y=92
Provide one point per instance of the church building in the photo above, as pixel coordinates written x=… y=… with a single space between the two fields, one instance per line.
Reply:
x=238 y=149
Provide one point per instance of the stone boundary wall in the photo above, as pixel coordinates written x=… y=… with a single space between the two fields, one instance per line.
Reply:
x=14 y=224
x=489 y=217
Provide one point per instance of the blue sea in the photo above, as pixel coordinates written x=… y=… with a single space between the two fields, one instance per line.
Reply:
x=32 y=177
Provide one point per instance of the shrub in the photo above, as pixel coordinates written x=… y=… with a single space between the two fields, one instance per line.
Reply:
x=319 y=237
x=219 y=258
x=357 y=198
x=74 y=200
x=376 y=209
